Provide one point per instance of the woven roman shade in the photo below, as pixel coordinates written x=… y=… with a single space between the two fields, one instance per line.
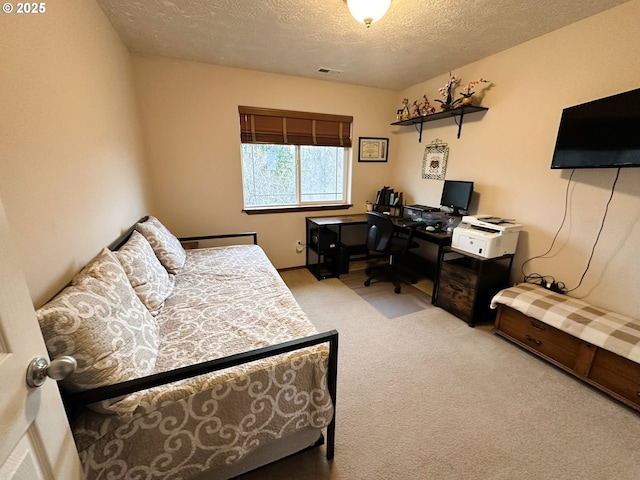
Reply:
x=286 y=127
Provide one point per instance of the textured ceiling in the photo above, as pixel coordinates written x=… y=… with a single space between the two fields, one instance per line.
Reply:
x=415 y=41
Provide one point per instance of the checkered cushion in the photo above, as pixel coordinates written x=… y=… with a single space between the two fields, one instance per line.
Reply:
x=604 y=329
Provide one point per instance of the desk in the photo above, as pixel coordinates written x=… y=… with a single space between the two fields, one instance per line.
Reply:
x=327 y=254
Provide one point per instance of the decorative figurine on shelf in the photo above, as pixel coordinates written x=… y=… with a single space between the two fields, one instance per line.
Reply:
x=417 y=111
x=447 y=93
x=467 y=94
x=405 y=109
x=427 y=109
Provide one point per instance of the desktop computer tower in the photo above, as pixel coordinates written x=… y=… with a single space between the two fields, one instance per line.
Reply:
x=324 y=239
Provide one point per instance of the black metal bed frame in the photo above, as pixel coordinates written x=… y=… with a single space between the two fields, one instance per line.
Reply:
x=73 y=401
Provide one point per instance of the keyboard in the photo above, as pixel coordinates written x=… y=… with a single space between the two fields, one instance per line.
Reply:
x=423 y=208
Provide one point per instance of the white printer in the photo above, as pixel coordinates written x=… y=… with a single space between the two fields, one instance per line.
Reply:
x=486 y=236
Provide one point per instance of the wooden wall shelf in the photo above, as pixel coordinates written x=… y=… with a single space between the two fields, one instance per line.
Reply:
x=456 y=112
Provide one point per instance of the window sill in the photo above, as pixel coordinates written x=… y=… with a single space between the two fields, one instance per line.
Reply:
x=296 y=208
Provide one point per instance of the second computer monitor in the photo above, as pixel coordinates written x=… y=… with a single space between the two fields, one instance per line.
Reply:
x=456 y=195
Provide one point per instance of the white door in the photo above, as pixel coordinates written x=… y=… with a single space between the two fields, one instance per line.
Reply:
x=35 y=439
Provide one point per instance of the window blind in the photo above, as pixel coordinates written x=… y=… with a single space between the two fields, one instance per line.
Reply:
x=286 y=127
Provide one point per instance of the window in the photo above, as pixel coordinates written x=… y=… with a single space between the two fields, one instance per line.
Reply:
x=294 y=158
x=276 y=175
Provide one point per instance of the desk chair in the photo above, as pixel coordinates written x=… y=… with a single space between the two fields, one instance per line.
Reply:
x=385 y=238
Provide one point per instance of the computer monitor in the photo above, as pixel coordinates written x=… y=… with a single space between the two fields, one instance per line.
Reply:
x=456 y=195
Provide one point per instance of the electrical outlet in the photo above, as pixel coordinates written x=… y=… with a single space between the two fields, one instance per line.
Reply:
x=300 y=246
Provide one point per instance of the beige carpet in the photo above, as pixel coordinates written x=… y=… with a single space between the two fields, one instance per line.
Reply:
x=423 y=396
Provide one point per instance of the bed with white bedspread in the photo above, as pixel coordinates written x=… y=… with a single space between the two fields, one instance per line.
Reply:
x=221 y=302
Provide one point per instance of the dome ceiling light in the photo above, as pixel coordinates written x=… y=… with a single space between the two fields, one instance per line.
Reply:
x=368 y=11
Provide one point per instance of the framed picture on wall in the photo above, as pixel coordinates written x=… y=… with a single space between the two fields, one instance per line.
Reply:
x=434 y=162
x=373 y=149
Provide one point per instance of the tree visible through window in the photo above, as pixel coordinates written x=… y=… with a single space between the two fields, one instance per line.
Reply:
x=292 y=158
x=278 y=175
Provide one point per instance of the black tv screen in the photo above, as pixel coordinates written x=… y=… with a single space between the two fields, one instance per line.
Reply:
x=598 y=134
x=456 y=195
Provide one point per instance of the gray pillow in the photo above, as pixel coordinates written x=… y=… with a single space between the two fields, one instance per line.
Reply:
x=150 y=280
x=101 y=322
x=167 y=247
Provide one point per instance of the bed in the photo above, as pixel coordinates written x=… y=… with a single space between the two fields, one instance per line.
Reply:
x=240 y=376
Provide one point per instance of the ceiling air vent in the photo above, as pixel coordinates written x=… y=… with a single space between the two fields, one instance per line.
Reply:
x=330 y=71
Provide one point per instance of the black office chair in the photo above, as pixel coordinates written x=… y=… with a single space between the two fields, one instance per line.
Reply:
x=384 y=238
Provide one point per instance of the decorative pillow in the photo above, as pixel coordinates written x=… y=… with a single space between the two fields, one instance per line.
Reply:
x=166 y=246
x=101 y=322
x=146 y=274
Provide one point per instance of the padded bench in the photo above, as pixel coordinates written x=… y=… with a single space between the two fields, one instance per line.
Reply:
x=600 y=347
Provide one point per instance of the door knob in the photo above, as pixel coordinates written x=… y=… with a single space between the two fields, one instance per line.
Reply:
x=40 y=368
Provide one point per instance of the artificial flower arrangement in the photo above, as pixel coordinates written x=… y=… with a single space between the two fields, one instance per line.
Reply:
x=447 y=93
x=447 y=102
x=467 y=94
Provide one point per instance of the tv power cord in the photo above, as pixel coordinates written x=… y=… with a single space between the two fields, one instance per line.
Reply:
x=551 y=284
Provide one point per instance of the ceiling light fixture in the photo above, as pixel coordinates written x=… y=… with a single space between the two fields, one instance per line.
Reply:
x=368 y=11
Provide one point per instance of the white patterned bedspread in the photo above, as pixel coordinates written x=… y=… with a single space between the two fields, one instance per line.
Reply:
x=608 y=330
x=226 y=300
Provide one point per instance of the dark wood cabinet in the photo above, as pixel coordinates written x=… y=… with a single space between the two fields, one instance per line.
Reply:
x=467 y=282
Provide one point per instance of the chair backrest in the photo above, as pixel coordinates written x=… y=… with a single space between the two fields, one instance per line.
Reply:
x=380 y=231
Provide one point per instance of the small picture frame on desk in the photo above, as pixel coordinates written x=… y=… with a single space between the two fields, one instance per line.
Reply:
x=373 y=149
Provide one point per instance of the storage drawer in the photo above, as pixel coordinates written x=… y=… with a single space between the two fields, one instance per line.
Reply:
x=618 y=374
x=450 y=272
x=455 y=298
x=540 y=337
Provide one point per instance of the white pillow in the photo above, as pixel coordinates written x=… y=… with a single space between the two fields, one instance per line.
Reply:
x=146 y=274
x=101 y=322
x=167 y=247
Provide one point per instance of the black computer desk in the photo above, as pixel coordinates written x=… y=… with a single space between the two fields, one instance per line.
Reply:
x=325 y=244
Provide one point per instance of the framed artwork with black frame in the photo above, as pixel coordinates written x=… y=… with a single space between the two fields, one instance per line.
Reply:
x=373 y=149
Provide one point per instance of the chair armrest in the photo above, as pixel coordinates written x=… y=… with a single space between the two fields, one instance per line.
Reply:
x=224 y=235
x=412 y=227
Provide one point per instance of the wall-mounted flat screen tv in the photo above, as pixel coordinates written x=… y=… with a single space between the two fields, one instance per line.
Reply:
x=601 y=133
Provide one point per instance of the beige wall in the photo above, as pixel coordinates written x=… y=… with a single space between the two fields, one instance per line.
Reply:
x=71 y=163
x=507 y=153
x=192 y=132
x=72 y=173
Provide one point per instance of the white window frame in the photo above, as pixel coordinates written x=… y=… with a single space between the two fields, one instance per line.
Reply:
x=346 y=182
